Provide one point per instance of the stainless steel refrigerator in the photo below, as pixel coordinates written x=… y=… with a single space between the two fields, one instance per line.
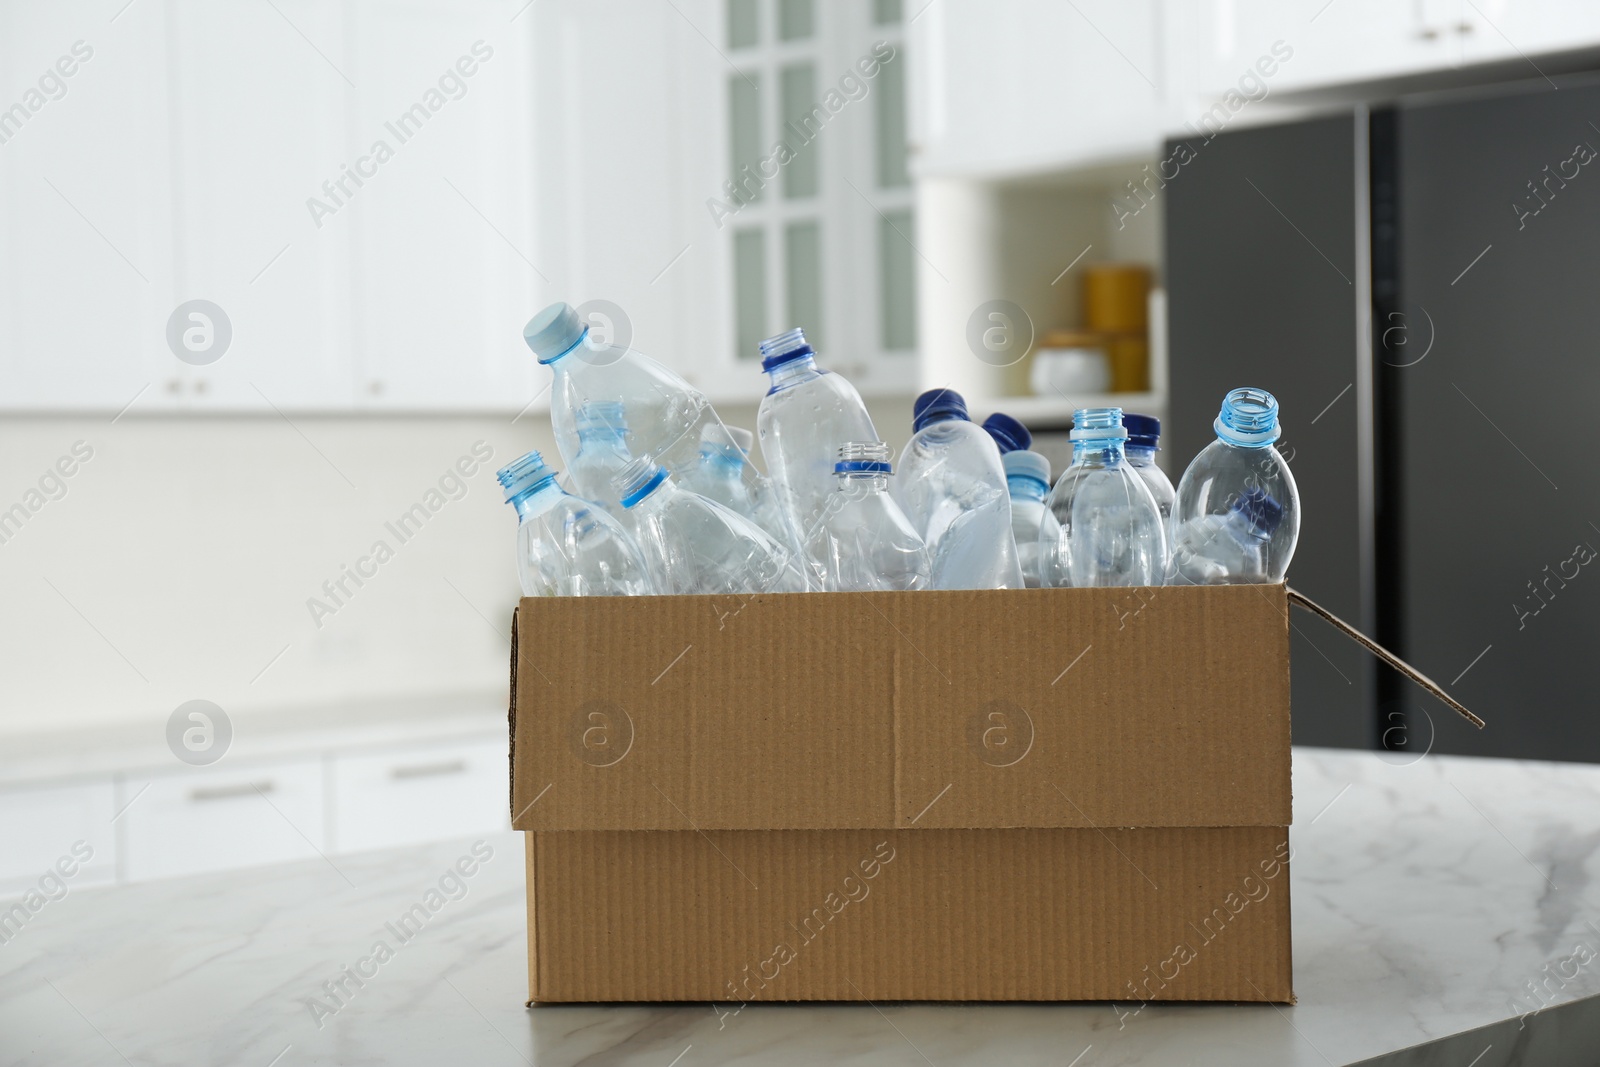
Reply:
x=1418 y=285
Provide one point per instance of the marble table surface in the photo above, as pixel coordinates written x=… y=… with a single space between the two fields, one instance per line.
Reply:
x=1430 y=898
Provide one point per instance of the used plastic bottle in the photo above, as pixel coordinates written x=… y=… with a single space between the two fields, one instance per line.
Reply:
x=1028 y=479
x=1111 y=531
x=694 y=545
x=722 y=476
x=567 y=546
x=1144 y=437
x=953 y=489
x=1009 y=434
x=602 y=429
x=1228 y=549
x=1242 y=459
x=804 y=419
x=666 y=418
x=862 y=539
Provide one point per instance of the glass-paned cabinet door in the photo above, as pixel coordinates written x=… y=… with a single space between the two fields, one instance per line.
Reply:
x=822 y=232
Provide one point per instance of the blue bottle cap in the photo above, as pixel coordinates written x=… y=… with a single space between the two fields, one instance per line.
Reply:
x=554 y=331
x=1025 y=464
x=784 y=348
x=1260 y=510
x=523 y=475
x=1007 y=432
x=936 y=405
x=1144 y=431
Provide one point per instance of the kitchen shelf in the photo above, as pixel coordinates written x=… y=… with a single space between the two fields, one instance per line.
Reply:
x=1059 y=409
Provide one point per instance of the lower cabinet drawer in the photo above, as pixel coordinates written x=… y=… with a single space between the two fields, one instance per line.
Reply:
x=420 y=793
x=213 y=818
x=61 y=828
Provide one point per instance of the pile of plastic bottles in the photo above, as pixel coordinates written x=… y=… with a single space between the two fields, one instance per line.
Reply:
x=662 y=498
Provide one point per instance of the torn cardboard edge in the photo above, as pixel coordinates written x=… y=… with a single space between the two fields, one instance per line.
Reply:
x=1298 y=598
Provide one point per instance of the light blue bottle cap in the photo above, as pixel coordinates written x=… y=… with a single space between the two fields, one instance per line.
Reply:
x=1025 y=464
x=554 y=331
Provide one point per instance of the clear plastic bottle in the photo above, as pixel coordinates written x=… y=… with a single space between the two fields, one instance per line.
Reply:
x=1227 y=549
x=862 y=539
x=567 y=546
x=722 y=476
x=1144 y=441
x=1028 y=479
x=694 y=545
x=602 y=429
x=1111 y=532
x=804 y=419
x=1241 y=459
x=953 y=489
x=1009 y=434
x=665 y=416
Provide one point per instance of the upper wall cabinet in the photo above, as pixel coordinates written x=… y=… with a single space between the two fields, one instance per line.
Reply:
x=86 y=207
x=1214 y=47
x=1035 y=85
x=270 y=207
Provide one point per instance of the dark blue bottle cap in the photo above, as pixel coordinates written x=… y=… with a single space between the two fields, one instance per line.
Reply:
x=1144 y=431
x=936 y=405
x=1262 y=512
x=1008 y=433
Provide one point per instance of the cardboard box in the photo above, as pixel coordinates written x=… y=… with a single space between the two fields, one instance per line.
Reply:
x=1059 y=794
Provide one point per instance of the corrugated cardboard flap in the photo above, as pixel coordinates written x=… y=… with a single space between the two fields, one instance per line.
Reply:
x=979 y=709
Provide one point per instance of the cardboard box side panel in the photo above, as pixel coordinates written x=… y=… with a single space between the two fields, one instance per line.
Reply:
x=531 y=845
x=1024 y=914
x=511 y=720
x=1011 y=708
x=1105 y=707
x=679 y=712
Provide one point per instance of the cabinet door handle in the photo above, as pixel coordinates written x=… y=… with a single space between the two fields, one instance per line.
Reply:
x=429 y=770
x=228 y=792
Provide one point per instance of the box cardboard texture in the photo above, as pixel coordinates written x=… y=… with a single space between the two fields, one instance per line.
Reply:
x=1057 y=794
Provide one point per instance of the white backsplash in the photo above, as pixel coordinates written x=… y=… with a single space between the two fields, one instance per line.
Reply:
x=178 y=561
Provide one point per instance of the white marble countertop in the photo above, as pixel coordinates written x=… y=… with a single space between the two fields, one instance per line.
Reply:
x=1426 y=898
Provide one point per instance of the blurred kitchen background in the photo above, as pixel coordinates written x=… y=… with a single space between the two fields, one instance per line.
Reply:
x=1045 y=205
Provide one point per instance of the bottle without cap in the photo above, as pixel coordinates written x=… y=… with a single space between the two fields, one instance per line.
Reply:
x=1110 y=529
x=602 y=430
x=567 y=546
x=693 y=545
x=665 y=416
x=952 y=488
x=722 y=476
x=1238 y=478
x=1028 y=479
x=862 y=541
x=1144 y=437
x=807 y=415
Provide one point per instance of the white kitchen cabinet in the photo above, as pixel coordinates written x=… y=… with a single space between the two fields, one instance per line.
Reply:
x=629 y=145
x=85 y=207
x=1210 y=46
x=419 y=793
x=69 y=824
x=258 y=122
x=1035 y=85
x=221 y=817
x=446 y=263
